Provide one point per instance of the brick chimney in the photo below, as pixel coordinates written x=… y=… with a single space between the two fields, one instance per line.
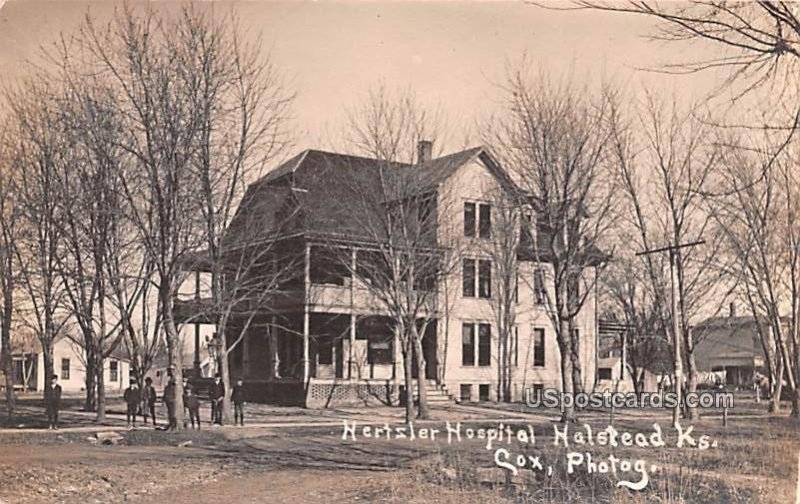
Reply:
x=424 y=151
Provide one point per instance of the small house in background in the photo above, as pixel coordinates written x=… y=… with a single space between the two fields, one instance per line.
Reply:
x=69 y=364
x=730 y=347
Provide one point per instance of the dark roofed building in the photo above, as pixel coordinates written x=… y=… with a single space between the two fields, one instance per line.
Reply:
x=731 y=345
x=324 y=338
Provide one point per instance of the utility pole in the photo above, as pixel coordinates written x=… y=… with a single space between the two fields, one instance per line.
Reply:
x=676 y=326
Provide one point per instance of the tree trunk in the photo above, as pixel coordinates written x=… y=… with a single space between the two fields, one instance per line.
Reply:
x=174 y=349
x=8 y=364
x=691 y=369
x=7 y=279
x=47 y=360
x=224 y=367
x=422 y=391
x=409 y=380
x=89 y=402
x=777 y=386
x=101 y=388
x=564 y=346
x=575 y=357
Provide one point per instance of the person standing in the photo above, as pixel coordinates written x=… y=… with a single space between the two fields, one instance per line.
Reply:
x=216 y=393
x=238 y=398
x=149 y=399
x=192 y=405
x=133 y=397
x=53 y=403
x=169 y=401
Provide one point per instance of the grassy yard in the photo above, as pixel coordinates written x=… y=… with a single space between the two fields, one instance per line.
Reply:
x=754 y=460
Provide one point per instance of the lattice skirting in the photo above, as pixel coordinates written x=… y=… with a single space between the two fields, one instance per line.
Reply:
x=327 y=395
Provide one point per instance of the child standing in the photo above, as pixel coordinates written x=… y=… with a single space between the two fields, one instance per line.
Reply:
x=149 y=400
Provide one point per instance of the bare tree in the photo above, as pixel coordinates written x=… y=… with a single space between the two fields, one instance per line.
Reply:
x=554 y=140
x=38 y=152
x=664 y=170
x=628 y=297
x=394 y=210
x=140 y=55
x=759 y=42
x=91 y=201
x=503 y=249
x=243 y=127
x=754 y=210
x=8 y=266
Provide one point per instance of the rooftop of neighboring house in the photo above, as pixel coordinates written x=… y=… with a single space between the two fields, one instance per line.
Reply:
x=732 y=321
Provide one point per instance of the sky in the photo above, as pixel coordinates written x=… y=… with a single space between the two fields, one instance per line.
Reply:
x=453 y=55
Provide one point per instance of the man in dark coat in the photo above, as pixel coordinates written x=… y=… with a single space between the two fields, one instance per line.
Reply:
x=169 y=401
x=133 y=397
x=238 y=398
x=149 y=399
x=192 y=403
x=216 y=392
x=53 y=403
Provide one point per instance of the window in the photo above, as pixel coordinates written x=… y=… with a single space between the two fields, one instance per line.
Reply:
x=327 y=268
x=65 y=369
x=539 y=293
x=516 y=346
x=604 y=373
x=113 y=371
x=483 y=392
x=485 y=221
x=469 y=219
x=484 y=278
x=469 y=277
x=480 y=215
x=516 y=287
x=525 y=236
x=476 y=337
x=468 y=345
x=538 y=347
x=484 y=344
x=466 y=392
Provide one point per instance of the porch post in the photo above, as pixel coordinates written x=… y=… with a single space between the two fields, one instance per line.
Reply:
x=274 y=356
x=197 y=325
x=306 y=314
x=353 y=266
x=396 y=340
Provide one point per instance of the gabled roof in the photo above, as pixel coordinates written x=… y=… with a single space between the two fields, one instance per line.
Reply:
x=309 y=189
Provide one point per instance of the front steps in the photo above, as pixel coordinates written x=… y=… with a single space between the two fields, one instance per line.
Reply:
x=436 y=394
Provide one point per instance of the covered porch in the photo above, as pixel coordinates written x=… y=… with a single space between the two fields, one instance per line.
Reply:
x=287 y=358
